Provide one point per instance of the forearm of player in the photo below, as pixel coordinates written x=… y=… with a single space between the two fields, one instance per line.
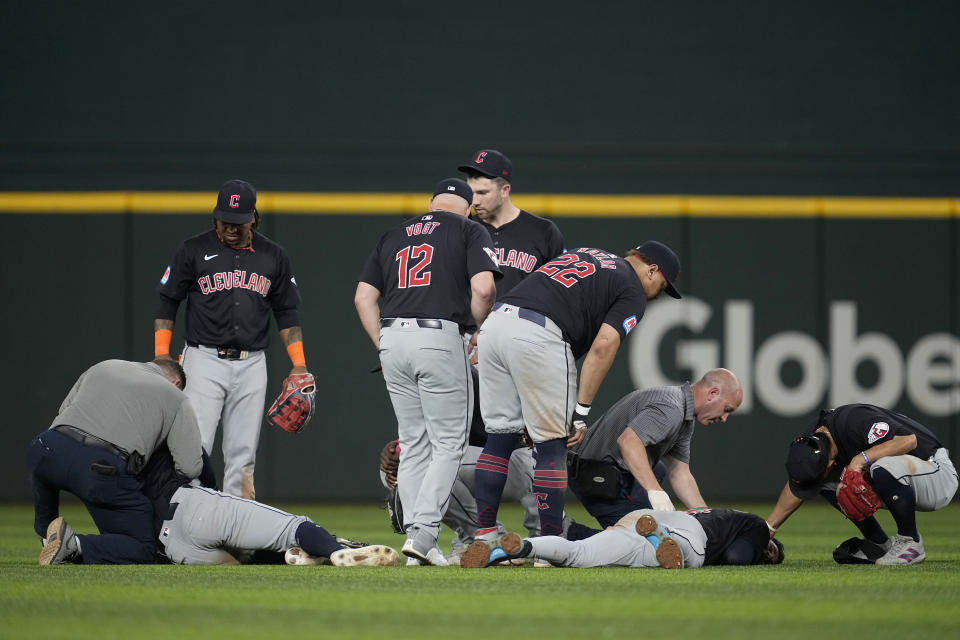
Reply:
x=293 y=340
x=483 y=293
x=896 y=446
x=787 y=503
x=368 y=309
x=162 y=334
x=635 y=456
x=597 y=363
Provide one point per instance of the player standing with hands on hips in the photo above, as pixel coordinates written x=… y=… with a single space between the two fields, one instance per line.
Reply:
x=583 y=303
x=435 y=274
x=232 y=277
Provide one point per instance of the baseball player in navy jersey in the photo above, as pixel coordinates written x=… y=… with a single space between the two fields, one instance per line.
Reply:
x=435 y=274
x=523 y=241
x=900 y=462
x=582 y=303
x=232 y=277
x=648 y=538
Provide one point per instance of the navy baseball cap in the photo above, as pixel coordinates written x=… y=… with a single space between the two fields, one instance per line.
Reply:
x=666 y=260
x=236 y=203
x=490 y=163
x=807 y=461
x=456 y=187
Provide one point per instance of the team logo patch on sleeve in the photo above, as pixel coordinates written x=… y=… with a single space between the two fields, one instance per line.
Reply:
x=166 y=276
x=492 y=255
x=877 y=431
x=629 y=323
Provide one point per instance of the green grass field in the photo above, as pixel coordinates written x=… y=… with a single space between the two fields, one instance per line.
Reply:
x=806 y=597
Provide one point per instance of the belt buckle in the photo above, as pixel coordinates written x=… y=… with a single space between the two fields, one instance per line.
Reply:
x=230 y=353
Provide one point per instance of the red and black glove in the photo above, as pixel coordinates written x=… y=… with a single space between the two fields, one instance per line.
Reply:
x=855 y=496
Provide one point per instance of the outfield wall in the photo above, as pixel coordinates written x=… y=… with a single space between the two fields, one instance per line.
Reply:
x=811 y=302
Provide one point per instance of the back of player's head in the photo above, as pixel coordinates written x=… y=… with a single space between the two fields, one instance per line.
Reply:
x=807 y=461
x=173 y=371
x=773 y=553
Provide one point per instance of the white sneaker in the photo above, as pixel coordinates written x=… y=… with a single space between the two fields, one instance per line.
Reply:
x=432 y=556
x=297 y=556
x=903 y=550
x=375 y=555
x=413 y=562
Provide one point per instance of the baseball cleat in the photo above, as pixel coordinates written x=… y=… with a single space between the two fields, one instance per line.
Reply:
x=297 y=556
x=432 y=556
x=376 y=555
x=351 y=544
x=484 y=554
x=668 y=551
x=903 y=550
x=60 y=545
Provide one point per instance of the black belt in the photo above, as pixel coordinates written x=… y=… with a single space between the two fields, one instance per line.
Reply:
x=85 y=438
x=423 y=323
x=527 y=314
x=227 y=353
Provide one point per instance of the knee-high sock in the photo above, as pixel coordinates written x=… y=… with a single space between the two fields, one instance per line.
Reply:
x=900 y=500
x=550 y=484
x=490 y=476
x=316 y=540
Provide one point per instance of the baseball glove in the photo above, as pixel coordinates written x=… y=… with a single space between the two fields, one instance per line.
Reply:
x=395 y=509
x=855 y=497
x=295 y=406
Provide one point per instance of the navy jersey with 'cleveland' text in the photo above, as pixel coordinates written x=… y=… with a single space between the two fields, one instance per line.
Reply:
x=230 y=292
x=725 y=526
x=857 y=427
x=422 y=268
x=522 y=246
x=581 y=290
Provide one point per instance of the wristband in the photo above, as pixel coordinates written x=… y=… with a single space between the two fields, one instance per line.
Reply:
x=864 y=454
x=295 y=351
x=161 y=342
x=582 y=409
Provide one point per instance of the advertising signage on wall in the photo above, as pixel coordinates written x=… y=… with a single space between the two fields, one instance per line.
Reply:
x=927 y=371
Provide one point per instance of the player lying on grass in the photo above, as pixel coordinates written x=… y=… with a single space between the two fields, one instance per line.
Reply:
x=647 y=538
x=199 y=525
x=861 y=457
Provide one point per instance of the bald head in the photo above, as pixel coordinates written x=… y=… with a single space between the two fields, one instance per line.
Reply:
x=450 y=202
x=716 y=395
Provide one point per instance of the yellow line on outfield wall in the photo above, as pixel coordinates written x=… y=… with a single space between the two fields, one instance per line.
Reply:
x=559 y=205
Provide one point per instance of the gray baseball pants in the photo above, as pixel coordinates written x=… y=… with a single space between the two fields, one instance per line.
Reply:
x=621 y=545
x=230 y=392
x=528 y=376
x=427 y=374
x=210 y=527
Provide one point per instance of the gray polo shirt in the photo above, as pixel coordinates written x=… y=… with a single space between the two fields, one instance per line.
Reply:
x=662 y=418
x=133 y=406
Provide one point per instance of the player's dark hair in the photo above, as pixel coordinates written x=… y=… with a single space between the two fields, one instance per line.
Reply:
x=473 y=173
x=766 y=559
x=172 y=367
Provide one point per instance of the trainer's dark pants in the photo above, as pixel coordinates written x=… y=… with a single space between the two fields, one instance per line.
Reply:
x=114 y=498
x=630 y=496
